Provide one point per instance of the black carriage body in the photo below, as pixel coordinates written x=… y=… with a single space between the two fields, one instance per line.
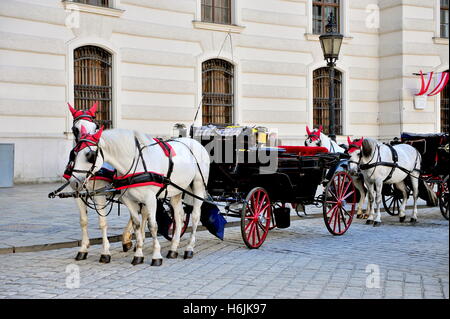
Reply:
x=294 y=180
x=435 y=159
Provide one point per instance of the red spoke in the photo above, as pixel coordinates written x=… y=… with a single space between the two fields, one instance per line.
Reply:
x=348 y=195
x=346 y=189
x=246 y=227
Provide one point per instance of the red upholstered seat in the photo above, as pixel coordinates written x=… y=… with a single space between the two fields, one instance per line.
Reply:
x=304 y=150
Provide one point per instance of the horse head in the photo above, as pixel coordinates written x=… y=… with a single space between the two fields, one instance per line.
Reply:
x=84 y=118
x=314 y=137
x=85 y=158
x=360 y=151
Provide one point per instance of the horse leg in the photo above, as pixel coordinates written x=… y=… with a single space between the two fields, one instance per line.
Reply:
x=150 y=214
x=83 y=252
x=415 y=188
x=370 y=193
x=362 y=196
x=126 y=236
x=199 y=190
x=134 y=208
x=401 y=187
x=176 y=202
x=100 y=202
x=378 y=188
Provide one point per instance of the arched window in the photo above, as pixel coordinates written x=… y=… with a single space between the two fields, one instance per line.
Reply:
x=93 y=81
x=321 y=91
x=218 y=92
x=445 y=110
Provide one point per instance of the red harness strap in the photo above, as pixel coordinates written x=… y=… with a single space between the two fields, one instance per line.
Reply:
x=166 y=147
x=139 y=179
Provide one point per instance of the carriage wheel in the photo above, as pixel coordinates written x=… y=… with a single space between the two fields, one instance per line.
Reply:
x=339 y=203
x=392 y=199
x=256 y=217
x=171 y=231
x=443 y=198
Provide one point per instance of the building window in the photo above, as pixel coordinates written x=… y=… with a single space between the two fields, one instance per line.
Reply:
x=93 y=81
x=321 y=12
x=216 y=11
x=99 y=3
x=444 y=18
x=218 y=92
x=445 y=109
x=320 y=99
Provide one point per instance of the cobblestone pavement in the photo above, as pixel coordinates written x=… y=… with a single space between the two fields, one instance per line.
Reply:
x=303 y=261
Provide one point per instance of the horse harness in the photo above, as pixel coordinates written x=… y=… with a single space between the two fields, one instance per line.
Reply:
x=394 y=165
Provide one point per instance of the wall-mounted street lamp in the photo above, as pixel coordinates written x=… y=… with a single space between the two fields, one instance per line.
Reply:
x=331 y=42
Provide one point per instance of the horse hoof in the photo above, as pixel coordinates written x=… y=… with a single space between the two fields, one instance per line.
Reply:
x=172 y=254
x=126 y=247
x=188 y=254
x=137 y=260
x=369 y=222
x=413 y=220
x=402 y=219
x=105 y=259
x=376 y=224
x=81 y=255
x=157 y=262
x=359 y=216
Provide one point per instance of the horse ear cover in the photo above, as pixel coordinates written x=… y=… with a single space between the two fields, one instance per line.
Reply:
x=308 y=131
x=366 y=148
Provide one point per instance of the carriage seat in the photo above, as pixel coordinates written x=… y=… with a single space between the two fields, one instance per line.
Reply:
x=304 y=150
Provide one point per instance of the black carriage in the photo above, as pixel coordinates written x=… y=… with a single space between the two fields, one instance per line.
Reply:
x=435 y=166
x=257 y=182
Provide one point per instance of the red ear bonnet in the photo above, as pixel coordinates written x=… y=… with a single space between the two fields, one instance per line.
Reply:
x=349 y=141
x=320 y=130
x=355 y=145
x=72 y=110
x=98 y=134
x=93 y=109
x=308 y=131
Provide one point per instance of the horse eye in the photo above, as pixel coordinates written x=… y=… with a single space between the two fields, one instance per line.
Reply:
x=90 y=157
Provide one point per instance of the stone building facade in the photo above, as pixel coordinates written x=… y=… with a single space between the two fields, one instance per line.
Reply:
x=247 y=62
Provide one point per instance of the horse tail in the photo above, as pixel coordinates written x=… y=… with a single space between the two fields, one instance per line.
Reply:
x=425 y=191
x=427 y=194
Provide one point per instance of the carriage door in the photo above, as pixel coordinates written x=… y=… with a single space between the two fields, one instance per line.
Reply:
x=93 y=81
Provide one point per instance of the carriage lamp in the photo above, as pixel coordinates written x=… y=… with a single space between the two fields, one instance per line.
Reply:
x=331 y=42
x=179 y=130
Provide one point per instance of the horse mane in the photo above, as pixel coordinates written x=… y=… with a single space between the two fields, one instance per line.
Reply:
x=119 y=141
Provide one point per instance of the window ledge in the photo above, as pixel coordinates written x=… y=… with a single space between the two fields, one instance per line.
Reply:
x=232 y=28
x=72 y=5
x=315 y=37
x=439 y=40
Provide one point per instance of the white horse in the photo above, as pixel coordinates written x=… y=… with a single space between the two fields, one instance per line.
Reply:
x=132 y=154
x=86 y=118
x=317 y=138
x=368 y=158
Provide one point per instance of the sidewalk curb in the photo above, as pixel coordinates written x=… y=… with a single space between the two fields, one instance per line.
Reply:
x=118 y=238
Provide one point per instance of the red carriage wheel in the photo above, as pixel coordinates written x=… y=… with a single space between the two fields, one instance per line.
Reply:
x=183 y=228
x=171 y=231
x=339 y=203
x=256 y=217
